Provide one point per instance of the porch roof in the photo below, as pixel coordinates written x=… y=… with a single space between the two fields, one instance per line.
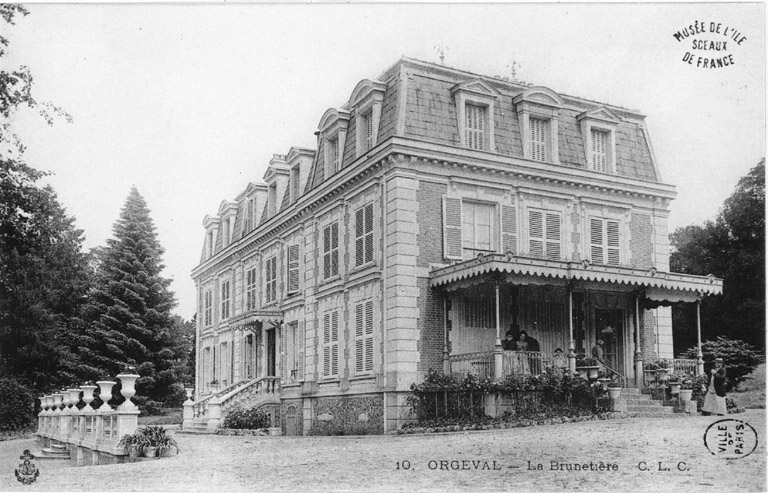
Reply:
x=659 y=285
x=252 y=318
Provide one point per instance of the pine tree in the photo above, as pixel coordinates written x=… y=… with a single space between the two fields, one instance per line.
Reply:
x=129 y=309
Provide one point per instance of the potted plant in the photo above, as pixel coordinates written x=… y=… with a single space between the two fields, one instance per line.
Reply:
x=686 y=388
x=134 y=444
x=588 y=368
x=674 y=383
x=214 y=385
x=614 y=391
x=160 y=442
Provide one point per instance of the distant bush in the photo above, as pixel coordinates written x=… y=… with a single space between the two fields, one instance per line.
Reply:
x=176 y=396
x=15 y=406
x=740 y=359
x=151 y=408
x=246 y=419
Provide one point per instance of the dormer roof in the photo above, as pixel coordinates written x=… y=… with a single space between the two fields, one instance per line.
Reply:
x=540 y=95
x=332 y=116
x=602 y=114
x=476 y=86
x=364 y=88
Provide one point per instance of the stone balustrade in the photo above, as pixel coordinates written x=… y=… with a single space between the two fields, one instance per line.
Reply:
x=91 y=436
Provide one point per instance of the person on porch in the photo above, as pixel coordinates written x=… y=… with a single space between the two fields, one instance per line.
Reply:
x=597 y=353
x=508 y=343
x=714 y=401
x=559 y=362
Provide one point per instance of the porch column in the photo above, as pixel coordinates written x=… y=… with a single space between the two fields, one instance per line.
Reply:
x=571 y=344
x=446 y=360
x=699 y=354
x=497 y=354
x=638 y=352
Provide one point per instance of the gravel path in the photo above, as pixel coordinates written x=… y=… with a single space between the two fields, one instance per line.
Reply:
x=223 y=463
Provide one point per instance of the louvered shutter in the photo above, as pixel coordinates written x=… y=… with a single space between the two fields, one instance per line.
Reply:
x=326 y=253
x=596 y=241
x=360 y=236
x=327 y=344
x=508 y=229
x=369 y=233
x=535 y=233
x=368 y=131
x=369 y=336
x=293 y=268
x=553 y=236
x=282 y=352
x=335 y=342
x=359 y=338
x=452 y=228
x=335 y=249
x=613 y=247
x=538 y=139
x=302 y=343
x=599 y=154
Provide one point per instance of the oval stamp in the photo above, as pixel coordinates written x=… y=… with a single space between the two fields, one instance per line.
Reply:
x=730 y=439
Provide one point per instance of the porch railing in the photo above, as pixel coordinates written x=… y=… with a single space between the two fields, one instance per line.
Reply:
x=678 y=365
x=479 y=365
x=525 y=362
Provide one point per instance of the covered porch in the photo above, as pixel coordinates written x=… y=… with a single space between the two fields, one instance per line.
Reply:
x=565 y=305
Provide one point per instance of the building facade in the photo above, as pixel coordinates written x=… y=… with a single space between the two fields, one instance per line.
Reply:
x=440 y=210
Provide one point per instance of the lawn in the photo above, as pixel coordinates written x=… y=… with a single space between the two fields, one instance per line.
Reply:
x=750 y=393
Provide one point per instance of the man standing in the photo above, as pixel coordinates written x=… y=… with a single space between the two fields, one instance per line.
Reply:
x=597 y=352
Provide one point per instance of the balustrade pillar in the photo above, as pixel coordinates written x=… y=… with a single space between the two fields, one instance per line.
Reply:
x=699 y=354
x=128 y=389
x=41 y=416
x=214 y=413
x=189 y=410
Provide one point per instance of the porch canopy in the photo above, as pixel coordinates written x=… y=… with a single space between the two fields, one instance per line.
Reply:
x=661 y=287
x=254 y=319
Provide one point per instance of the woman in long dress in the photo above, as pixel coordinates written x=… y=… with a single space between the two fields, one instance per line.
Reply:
x=521 y=346
x=714 y=401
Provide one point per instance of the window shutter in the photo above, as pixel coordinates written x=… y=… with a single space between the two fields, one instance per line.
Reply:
x=360 y=236
x=452 y=228
x=301 y=342
x=553 y=236
x=283 y=351
x=369 y=336
x=369 y=233
x=326 y=253
x=596 y=241
x=599 y=154
x=535 y=233
x=335 y=342
x=293 y=268
x=327 y=344
x=509 y=229
x=614 y=246
x=335 y=249
x=538 y=139
x=359 y=340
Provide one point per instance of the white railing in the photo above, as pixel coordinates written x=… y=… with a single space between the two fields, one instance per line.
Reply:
x=213 y=408
x=678 y=365
x=61 y=422
x=478 y=364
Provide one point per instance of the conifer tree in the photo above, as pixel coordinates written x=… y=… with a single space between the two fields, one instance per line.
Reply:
x=129 y=308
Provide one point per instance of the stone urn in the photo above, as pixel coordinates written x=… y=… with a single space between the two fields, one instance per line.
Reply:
x=74 y=398
x=189 y=391
x=43 y=405
x=88 y=397
x=49 y=404
x=105 y=393
x=128 y=389
x=686 y=394
x=614 y=392
x=65 y=401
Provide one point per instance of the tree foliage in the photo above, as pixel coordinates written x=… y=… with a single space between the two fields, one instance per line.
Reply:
x=129 y=307
x=43 y=273
x=740 y=359
x=731 y=247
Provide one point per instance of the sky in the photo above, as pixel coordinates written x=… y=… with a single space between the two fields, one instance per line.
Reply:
x=188 y=102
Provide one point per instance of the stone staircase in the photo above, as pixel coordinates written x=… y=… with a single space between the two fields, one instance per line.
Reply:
x=643 y=405
x=55 y=452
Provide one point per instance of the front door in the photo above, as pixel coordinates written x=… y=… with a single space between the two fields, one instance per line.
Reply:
x=609 y=328
x=271 y=348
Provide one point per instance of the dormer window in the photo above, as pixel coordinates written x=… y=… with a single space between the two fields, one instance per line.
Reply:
x=333 y=128
x=272 y=199
x=475 y=103
x=598 y=129
x=366 y=100
x=209 y=244
x=538 y=111
x=295 y=183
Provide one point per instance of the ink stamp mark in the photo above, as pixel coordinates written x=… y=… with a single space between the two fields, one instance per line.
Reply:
x=730 y=439
x=711 y=45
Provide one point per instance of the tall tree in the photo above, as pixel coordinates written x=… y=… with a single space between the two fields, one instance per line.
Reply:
x=732 y=247
x=129 y=308
x=43 y=273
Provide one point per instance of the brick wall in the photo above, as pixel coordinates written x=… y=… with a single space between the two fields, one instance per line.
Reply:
x=641 y=241
x=430 y=327
x=647 y=336
x=430 y=235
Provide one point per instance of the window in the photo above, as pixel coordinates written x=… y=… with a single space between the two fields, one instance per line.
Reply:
x=250 y=215
x=209 y=244
x=272 y=199
x=367 y=100
x=364 y=337
x=544 y=234
x=364 y=235
x=332 y=156
x=605 y=242
x=270 y=274
x=538 y=139
x=331 y=251
x=474 y=127
x=291 y=346
x=470 y=228
x=227 y=237
x=293 y=269
x=599 y=150
x=331 y=343
x=366 y=129
x=225 y=300
x=208 y=308
x=478 y=228
x=250 y=289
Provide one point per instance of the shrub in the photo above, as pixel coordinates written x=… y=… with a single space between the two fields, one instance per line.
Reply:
x=740 y=359
x=15 y=406
x=246 y=419
x=176 y=396
x=151 y=408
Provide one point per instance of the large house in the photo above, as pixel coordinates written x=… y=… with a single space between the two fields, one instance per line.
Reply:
x=440 y=210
